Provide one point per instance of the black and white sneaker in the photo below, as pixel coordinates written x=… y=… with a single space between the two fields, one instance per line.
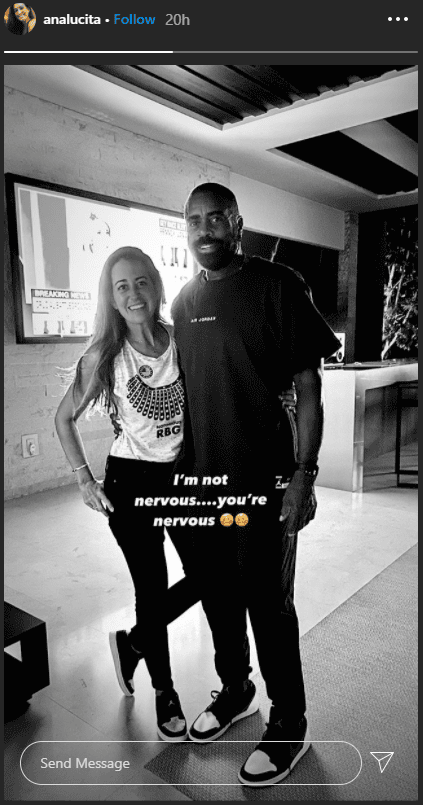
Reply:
x=125 y=659
x=171 y=723
x=230 y=705
x=276 y=754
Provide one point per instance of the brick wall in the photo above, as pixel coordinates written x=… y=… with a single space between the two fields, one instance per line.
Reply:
x=48 y=142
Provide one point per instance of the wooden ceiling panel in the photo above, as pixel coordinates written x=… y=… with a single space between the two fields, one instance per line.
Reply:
x=200 y=87
x=241 y=87
x=142 y=80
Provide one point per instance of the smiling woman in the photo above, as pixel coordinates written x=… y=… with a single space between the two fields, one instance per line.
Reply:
x=19 y=19
x=131 y=368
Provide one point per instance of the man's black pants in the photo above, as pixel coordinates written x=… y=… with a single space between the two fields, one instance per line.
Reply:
x=252 y=568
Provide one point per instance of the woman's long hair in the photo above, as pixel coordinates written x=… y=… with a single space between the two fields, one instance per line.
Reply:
x=110 y=330
x=16 y=26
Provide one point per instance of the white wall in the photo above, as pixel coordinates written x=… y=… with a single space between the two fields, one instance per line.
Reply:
x=268 y=209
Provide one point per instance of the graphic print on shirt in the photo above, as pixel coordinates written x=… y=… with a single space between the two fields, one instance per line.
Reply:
x=149 y=397
x=163 y=402
x=145 y=371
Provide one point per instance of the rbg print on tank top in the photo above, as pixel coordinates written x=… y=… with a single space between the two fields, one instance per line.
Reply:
x=150 y=399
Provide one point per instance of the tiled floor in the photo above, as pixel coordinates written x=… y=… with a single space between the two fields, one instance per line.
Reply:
x=63 y=566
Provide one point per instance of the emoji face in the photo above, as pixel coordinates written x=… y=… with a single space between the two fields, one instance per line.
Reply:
x=241 y=519
x=226 y=519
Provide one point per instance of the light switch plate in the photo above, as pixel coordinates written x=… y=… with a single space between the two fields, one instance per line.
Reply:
x=30 y=446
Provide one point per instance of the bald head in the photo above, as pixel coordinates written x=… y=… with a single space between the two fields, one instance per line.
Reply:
x=218 y=191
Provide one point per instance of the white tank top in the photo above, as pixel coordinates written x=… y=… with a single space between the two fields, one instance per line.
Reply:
x=150 y=400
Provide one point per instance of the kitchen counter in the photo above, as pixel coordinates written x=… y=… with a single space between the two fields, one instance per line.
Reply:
x=342 y=454
x=359 y=366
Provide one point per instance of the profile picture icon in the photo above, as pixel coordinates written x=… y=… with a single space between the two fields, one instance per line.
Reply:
x=19 y=19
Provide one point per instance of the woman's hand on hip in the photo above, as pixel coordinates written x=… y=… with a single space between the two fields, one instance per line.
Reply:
x=94 y=497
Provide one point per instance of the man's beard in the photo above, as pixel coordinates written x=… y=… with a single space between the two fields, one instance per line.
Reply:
x=220 y=257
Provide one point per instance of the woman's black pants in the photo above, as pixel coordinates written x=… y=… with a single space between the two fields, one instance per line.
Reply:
x=142 y=544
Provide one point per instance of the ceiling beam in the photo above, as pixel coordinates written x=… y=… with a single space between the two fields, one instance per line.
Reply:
x=386 y=140
x=363 y=103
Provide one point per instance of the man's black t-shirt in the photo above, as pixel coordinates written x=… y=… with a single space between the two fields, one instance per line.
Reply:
x=241 y=339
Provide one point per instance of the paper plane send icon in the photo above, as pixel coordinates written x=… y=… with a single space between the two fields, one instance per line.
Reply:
x=382 y=758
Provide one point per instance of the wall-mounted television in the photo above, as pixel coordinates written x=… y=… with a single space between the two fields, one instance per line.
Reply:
x=60 y=238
